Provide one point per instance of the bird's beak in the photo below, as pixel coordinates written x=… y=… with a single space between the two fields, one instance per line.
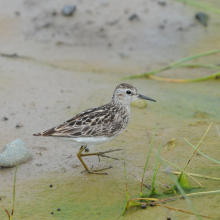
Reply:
x=145 y=97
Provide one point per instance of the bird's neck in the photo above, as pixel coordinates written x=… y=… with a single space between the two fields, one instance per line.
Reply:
x=122 y=104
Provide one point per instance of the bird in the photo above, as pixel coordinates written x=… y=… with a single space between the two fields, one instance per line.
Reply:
x=98 y=125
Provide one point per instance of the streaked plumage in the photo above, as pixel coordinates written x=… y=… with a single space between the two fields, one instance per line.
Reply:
x=100 y=124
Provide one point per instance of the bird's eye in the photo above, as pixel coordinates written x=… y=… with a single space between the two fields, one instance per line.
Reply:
x=128 y=92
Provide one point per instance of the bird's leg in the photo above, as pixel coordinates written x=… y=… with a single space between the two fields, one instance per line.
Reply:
x=102 y=154
x=79 y=155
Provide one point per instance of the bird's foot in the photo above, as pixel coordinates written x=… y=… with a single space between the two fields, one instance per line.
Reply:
x=102 y=154
x=91 y=171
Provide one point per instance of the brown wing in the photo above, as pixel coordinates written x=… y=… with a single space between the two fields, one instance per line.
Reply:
x=100 y=121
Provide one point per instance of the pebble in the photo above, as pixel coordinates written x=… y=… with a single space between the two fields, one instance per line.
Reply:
x=162 y=3
x=144 y=206
x=52 y=213
x=51 y=185
x=86 y=150
x=202 y=18
x=168 y=218
x=58 y=209
x=139 y=103
x=19 y=126
x=5 y=119
x=103 y=3
x=134 y=17
x=68 y=10
x=152 y=204
x=14 y=153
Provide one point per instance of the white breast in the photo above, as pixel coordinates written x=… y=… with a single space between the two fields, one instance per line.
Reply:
x=88 y=141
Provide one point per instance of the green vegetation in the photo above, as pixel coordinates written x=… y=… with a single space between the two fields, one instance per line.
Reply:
x=179 y=64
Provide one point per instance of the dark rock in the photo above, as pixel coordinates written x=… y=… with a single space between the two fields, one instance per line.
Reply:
x=68 y=10
x=52 y=213
x=152 y=204
x=86 y=150
x=54 y=13
x=58 y=209
x=202 y=18
x=17 y=13
x=134 y=17
x=51 y=185
x=104 y=3
x=5 y=119
x=162 y=3
x=168 y=218
x=144 y=206
x=19 y=126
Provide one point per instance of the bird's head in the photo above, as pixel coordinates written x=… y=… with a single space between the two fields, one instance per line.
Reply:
x=125 y=93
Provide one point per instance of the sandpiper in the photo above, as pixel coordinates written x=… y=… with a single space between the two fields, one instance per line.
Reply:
x=98 y=125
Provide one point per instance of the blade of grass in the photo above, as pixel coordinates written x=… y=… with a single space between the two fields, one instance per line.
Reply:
x=13 y=204
x=212 y=76
x=202 y=153
x=180 y=189
x=126 y=185
x=144 y=184
x=198 y=175
x=197 y=147
x=153 y=191
x=195 y=57
x=208 y=8
x=148 y=156
x=181 y=210
x=190 y=195
x=6 y=211
x=183 y=172
x=173 y=64
x=194 y=65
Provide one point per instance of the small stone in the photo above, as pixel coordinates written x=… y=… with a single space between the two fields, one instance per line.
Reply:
x=168 y=218
x=51 y=185
x=152 y=204
x=162 y=3
x=14 y=153
x=5 y=119
x=144 y=206
x=202 y=18
x=104 y=3
x=86 y=150
x=139 y=103
x=134 y=17
x=19 y=126
x=68 y=10
x=58 y=209
x=54 y=13
x=17 y=13
x=52 y=213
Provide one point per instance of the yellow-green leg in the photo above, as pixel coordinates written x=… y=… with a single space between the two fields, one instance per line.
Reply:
x=79 y=155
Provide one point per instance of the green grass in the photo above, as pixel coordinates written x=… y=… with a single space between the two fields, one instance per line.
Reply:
x=180 y=64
